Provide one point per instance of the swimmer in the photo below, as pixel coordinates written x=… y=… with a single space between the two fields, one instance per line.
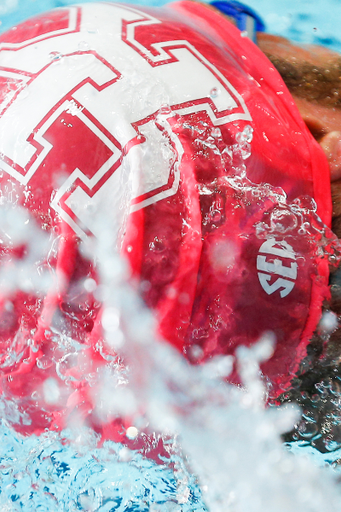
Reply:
x=172 y=131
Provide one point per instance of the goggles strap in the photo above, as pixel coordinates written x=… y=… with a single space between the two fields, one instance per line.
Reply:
x=246 y=19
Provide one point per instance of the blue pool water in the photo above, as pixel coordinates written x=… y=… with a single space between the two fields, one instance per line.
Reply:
x=316 y=22
x=230 y=456
x=48 y=473
x=305 y=21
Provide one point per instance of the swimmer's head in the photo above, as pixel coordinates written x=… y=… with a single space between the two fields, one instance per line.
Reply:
x=171 y=133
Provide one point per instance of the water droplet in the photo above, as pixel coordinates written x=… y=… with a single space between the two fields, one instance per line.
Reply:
x=55 y=56
x=246 y=135
x=83 y=46
x=165 y=110
x=307 y=429
x=224 y=255
x=44 y=362
x=125 y=454
x=245 y=150
x=216 y=133
x=214 y=92
x=132 y=433
x=328 y=322
x=51 y=391
x=306 y=203
x=90 y=285
x=283 y=220
x=110 y=319
x=195 y=353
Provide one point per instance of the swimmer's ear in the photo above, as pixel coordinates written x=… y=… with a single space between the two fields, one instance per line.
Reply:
x=331 y=145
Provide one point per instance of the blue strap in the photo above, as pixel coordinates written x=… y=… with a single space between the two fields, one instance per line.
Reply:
x=247 y=20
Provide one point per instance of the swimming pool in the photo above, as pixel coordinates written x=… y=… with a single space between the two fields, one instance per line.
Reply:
x=303 y=21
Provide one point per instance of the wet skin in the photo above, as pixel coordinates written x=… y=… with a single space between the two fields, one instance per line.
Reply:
x=313 y=76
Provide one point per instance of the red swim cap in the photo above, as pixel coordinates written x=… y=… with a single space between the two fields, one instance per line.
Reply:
x=173 y=131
